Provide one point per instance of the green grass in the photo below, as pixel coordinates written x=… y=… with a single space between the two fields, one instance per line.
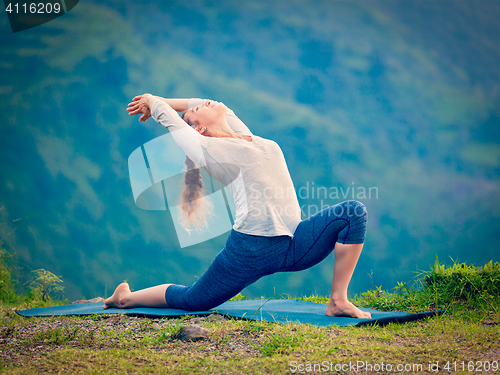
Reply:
x=94 y=345
x=101 y=344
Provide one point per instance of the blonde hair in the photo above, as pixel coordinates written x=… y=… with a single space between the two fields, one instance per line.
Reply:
x=195 y=208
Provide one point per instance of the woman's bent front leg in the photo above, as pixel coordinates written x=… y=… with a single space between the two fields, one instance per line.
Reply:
x=341 y=228
x=346 y=257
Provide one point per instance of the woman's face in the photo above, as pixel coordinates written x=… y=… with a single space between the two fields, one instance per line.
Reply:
x=205 y=116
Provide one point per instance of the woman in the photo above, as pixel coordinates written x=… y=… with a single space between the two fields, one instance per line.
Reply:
x=268 y=235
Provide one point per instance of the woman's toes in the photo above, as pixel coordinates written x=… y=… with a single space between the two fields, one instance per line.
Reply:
x=346 y=309
x=115 y=300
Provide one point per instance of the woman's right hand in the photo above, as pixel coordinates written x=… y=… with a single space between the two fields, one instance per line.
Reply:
x=141 y=104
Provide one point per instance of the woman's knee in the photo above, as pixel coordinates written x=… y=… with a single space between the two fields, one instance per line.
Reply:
x=351 y=208
x=356 y=216
x=359 y=209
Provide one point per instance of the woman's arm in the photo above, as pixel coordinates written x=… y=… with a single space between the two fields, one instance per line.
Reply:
x=184 y=135
x=179 y=105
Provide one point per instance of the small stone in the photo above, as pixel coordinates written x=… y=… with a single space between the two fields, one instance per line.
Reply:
x=115 y=318
x=489 y=322
x=195 y=321
x=216 y=317
x=193 y=333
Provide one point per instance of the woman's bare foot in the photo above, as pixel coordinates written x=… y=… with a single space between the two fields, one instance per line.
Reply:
x=118 y=299
x=345 y=308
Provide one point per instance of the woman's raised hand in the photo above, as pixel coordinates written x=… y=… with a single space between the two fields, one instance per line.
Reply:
x=141 y=104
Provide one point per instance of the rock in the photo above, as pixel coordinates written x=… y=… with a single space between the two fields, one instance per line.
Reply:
x=195 y=321
x=489 y=322
x=116 y=318
x=216 y=317
x=97 y=299
x=193 y=333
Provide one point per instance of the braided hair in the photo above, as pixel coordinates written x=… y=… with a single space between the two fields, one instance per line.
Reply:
x=194 y=207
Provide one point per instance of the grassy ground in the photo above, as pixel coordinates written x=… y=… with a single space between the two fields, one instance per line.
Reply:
x=120 y=344
x=466 y=339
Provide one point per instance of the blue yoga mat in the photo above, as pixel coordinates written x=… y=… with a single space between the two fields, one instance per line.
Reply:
x=279 y=311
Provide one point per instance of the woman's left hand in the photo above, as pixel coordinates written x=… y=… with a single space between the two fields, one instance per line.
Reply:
x=141 y=104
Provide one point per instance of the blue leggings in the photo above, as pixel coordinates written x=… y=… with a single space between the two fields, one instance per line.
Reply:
x=246 y=258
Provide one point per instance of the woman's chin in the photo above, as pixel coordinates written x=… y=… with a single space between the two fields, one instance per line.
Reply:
x=220 y=106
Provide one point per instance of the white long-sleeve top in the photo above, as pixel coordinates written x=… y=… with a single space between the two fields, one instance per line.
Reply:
x=255 y=172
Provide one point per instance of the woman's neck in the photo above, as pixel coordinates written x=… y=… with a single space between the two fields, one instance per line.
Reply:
x=224 y=131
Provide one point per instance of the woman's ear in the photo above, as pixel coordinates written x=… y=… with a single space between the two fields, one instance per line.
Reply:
x=202 y=130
